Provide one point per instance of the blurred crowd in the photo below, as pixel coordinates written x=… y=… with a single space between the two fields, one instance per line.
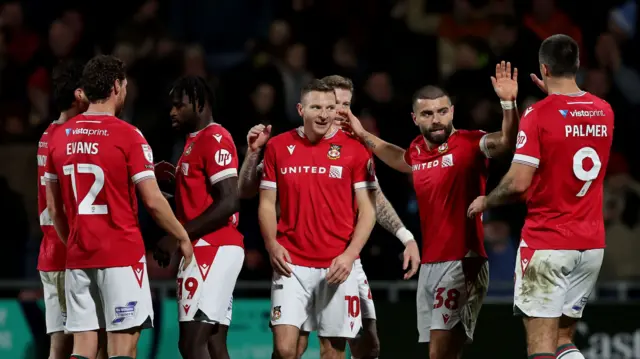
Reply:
x=257 y=54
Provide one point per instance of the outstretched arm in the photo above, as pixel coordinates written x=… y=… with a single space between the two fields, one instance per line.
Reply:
x=505 y=83
x=387 y=152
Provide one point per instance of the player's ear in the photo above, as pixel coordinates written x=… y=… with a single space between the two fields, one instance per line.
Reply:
x=300 y=111
x=79 y=95
x=413 y=117
x=452 y=110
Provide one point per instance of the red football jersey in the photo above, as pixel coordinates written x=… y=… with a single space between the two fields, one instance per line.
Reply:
x=446 y=180
x=316 y=186
x=209 y=157
x=53 y=253
x=98 y=159
x=568 y=139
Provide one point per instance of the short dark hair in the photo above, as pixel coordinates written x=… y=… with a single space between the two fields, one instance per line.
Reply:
x=338 y=82
x=561 y=54
x=99 y=75
x=429 y=92
x=315 y=85
x=66 y=79
x=197 y=90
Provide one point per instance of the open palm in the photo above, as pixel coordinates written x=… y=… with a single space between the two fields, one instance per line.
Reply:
x=505 y=83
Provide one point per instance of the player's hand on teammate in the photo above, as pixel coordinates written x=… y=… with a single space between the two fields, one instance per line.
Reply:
x=477 y=206
x=505 y=83
x=340 y=268
x=279 y=258
x=349 y=122
x=167 y=246
x=258 y=136
x=411 y=259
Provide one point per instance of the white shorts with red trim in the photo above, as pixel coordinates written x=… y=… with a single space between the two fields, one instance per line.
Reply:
x=450 y=293
x=552 y=283
x=116 y=298
x=205 y=287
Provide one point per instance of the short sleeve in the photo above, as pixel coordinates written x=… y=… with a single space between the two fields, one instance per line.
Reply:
x=528 y=142
x=269 y=168
x=220 y=161
x=479 y=139
x=363 y=171
x=50 y=173
x=139 y=158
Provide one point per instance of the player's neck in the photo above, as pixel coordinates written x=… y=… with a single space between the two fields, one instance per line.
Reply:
x=66 y=115
x=203 y=123
x=103 y=107
x=562 y=86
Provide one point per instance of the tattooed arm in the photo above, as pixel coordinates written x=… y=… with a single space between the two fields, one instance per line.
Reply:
x=512 y=187
x=386 y=215
x=502 y=142
x=249 y=177
x=388 y=153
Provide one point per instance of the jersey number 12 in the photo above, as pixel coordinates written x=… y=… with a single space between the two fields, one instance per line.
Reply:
x=583 y=175
x=86 y=206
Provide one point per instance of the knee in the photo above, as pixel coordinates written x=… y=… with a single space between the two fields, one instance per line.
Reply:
x=284 y=350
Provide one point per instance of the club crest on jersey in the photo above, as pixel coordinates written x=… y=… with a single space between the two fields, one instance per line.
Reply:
x=443 y=148
x=334 y=152
x=148 y=154
x=275 y=315
x=188 y=150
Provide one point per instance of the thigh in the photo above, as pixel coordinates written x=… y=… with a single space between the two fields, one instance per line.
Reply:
x=127 y=297
x=581 y=282
x=450 y=294
x=541 y=282
x=291 y=297
x=84 y=305
x=366 y=300
x=424 y=303
x=54 y=300
x=206 y=294
x=338 y=308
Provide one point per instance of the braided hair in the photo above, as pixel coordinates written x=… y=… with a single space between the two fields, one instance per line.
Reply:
x=197 y=89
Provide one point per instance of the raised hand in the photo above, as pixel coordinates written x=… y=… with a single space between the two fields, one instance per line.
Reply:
x=505 y=83
x=258 y=136
x=349 y=122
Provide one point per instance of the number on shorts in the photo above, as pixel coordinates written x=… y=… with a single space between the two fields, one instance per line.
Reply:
x=353 y=305
x=86 y=206
x=450 y=302
x=190 y=285
x=583 y=175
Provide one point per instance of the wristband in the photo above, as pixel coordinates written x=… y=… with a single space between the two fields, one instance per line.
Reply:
x=404 y=235
x=508 y=105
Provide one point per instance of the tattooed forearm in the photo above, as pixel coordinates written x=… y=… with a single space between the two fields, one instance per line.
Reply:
x=369 y=142
x=504 y=193
x=386 y=215
x=249 y=177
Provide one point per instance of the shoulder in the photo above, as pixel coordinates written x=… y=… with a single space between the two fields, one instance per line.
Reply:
x=218 y=132
x=286 y=137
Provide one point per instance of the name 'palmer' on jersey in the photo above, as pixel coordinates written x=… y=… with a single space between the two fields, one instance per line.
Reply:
x=572 y=134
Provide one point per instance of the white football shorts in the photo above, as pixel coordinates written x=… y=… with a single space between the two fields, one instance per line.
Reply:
x=115 y=299
x=552 y=283
x=55 y=305
x=205 y=287
x=332 y=310
x=368 y=310
x=450 y=293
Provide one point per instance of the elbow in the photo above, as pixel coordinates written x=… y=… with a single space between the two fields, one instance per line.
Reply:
x=520 y=187
x=246 y=192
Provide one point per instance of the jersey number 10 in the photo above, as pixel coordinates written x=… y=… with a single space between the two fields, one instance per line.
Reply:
x=583 y=175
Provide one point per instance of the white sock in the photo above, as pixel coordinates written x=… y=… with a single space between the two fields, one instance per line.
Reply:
x=569 y=352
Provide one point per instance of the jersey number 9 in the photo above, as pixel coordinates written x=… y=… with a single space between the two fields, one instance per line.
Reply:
x=583 y=175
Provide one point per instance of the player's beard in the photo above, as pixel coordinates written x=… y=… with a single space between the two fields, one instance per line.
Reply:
x=437 y=139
